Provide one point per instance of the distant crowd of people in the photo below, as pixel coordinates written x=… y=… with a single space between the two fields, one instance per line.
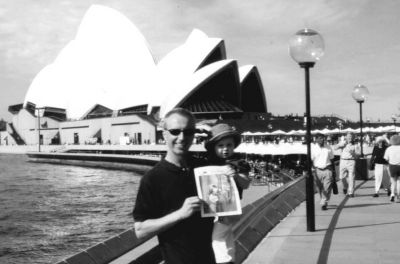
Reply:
x=385 y=161
x=333 y=139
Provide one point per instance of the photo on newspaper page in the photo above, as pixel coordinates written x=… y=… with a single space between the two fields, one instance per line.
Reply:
x=218 y=191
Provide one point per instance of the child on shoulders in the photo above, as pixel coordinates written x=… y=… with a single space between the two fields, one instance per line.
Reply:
x=220 y=151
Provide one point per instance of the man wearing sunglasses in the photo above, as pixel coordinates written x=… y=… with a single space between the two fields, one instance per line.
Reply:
x=167 y=204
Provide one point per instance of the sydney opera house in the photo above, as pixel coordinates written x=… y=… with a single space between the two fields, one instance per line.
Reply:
x=106 y=83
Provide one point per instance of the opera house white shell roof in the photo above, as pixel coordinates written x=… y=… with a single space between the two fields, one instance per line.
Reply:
x=110 y=63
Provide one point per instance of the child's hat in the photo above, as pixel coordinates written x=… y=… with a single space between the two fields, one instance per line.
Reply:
x=219 y=132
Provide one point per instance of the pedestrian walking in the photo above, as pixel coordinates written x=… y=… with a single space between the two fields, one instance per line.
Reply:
x=379 y=165
x=347 y=164
x=392 y=155
x=322 y=157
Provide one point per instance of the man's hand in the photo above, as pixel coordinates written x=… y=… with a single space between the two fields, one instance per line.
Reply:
x=190 y=205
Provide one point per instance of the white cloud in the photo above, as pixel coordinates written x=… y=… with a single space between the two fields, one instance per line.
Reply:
x=361 y=39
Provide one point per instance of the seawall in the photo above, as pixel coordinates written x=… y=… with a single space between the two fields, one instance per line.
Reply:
x=258 y=219
x=140 y=164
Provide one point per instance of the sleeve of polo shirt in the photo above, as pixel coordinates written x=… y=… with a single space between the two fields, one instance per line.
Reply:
x=312 y=156
x=331 y=154
x=386 y=155
x=145 y=206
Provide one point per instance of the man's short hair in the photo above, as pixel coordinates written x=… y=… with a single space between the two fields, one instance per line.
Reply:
x=179 y=111
x=319 y=135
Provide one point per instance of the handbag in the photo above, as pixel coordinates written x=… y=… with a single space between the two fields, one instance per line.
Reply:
x=334 y=187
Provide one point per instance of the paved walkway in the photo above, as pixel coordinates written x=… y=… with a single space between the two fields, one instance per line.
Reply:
x=361 y=230
x=250 y=195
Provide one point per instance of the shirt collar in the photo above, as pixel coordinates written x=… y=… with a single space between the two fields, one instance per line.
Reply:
x=172 y=167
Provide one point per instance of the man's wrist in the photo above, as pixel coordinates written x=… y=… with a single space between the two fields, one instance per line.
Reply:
x=177 y=215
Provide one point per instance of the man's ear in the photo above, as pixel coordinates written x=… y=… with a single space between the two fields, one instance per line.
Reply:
x=163 y=134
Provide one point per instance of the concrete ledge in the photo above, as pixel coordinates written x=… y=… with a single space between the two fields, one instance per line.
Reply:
x=100 y=253
x=264 y=214
x=114 y=245
x=272 y=215
x=108 y=250
x=281 y=206
x=249 y=238
x=258 y=219
x=153 y=256
x=263 y=226
x=139 y=164
x=80 y=258
x=135 y=159
x=241 y=252
x=129 y=239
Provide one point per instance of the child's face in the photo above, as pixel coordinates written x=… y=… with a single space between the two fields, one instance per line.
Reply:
x=224 y=148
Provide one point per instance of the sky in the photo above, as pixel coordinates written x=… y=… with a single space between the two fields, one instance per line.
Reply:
x=362 y=45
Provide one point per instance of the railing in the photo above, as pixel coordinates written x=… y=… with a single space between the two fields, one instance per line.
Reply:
x=256 y=221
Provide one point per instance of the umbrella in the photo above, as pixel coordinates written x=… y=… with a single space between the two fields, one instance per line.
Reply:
x=278 y=132
x=247 y=133
x=333 y=131
x=291 y=133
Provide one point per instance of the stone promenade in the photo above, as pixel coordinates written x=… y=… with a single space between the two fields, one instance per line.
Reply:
x=362 y=230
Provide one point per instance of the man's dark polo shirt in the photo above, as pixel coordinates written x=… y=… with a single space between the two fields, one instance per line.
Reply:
x=162 y=191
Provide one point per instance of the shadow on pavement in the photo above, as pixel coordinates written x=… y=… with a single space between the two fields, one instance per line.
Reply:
x=326 y=244
x=382 y=194
x=368 y=187
x=365 y=205
x=357 y=226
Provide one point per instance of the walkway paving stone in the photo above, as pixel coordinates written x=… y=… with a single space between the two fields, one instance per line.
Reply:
x=361 y=230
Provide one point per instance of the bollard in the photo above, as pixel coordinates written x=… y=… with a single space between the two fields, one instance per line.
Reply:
x=361 y=169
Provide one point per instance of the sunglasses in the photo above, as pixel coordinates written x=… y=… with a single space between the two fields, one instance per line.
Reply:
x=186 y=132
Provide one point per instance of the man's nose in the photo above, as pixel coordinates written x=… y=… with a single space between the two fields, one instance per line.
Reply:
x=182 y=135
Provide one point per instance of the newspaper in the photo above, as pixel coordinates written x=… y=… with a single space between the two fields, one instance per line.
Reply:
x=218 y=191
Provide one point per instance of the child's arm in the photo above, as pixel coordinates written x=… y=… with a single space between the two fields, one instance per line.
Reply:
x=241 y=176
x=242 y=180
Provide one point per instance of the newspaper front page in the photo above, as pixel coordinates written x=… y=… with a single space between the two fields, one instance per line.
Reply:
x=218 y=191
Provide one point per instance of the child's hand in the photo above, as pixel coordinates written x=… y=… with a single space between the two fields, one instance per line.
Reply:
x=230 y=171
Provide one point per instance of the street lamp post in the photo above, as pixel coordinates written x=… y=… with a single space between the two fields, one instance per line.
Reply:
x=359 y=94
x=340 y=125
x=394 y=122
x=306 y=47
x=39 y=113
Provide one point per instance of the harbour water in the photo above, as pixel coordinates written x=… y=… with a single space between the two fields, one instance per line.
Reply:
x=50 y=212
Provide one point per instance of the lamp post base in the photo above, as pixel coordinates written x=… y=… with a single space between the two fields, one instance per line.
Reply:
x=361 y=169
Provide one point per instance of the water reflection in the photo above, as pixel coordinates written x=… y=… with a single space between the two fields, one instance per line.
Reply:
x=48 y=212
